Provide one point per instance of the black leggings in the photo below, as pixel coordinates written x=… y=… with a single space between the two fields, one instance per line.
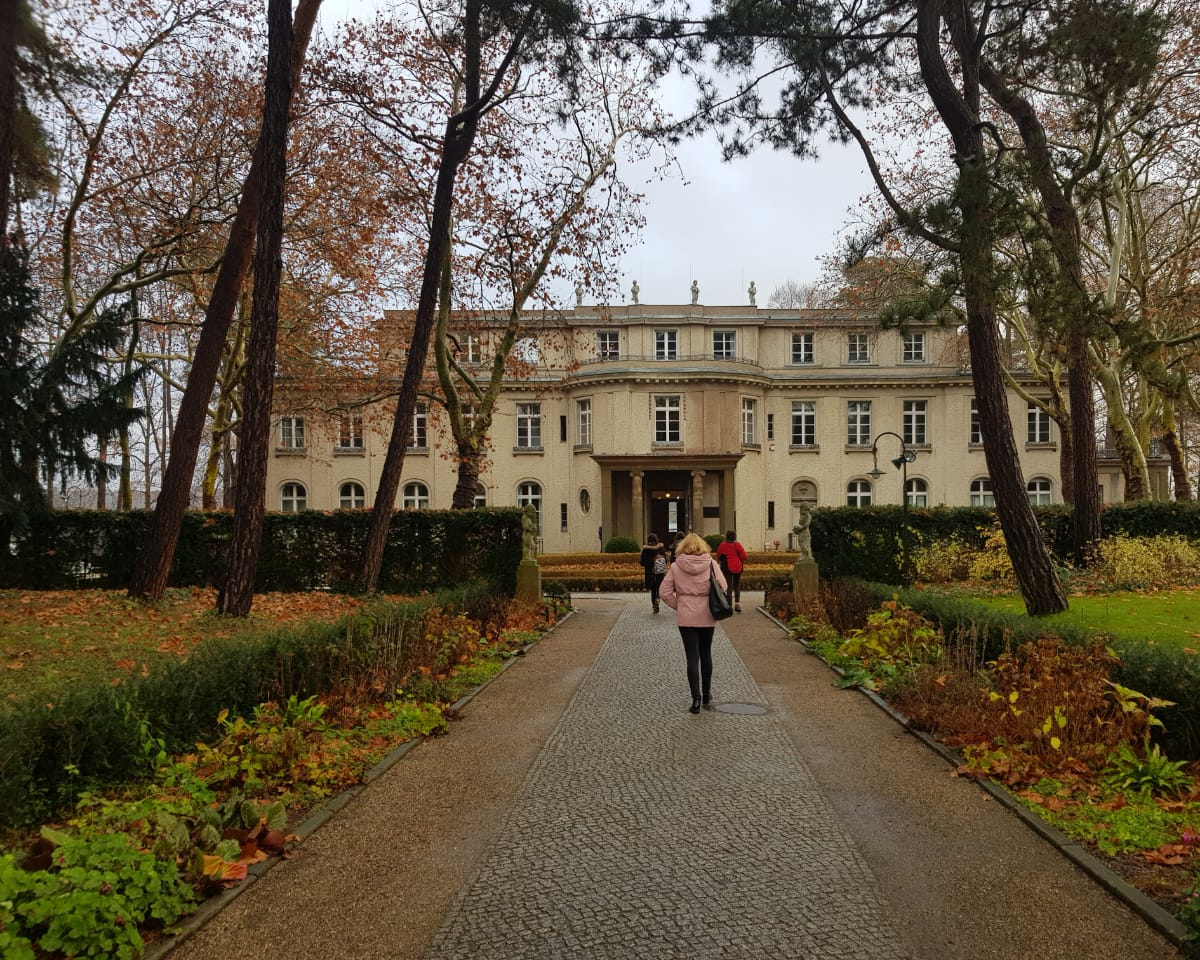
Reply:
x=697 y=644
x=735 y=586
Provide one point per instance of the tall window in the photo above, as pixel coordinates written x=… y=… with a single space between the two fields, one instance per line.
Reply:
x=770 y=426
x=858 y=493
x=981 y=493
x=858 y=423
x=468 y=349
x=350 y=434
x=917 y=493
x=584 y=410
x=666 y=345
x=914 y=348
x=1037 y=424
x=420 y=428
x=608 y=344
x=291 y=433
x=724 y=345
x=415 y=496
x=914 y=421
x=976 y=430
x=857 y=349
x=293 y=498
x=1039 y=491
x=668 y=420
x=804 y=423
x=468 y=415
x=529 y=426
x=749 y=421
x=802 y=348
x=352 y=496
x=529 y=494
x=526 y=350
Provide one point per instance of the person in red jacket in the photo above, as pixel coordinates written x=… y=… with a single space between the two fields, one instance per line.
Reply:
x=685 y=590
x=731 y=555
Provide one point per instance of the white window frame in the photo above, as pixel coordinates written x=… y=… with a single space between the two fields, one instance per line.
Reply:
x=350 y=431
x=583 y=409
x=291 y=433
x=858 y=348
x=418 y=439
x=981 y=492
x=804 y=424
x=749 y=421
x=415 y=495
x=666 y=344
x=529 y=494
x=1040 y=491
x=1037 y=425
x=975 y=430
x=915 y=422
x=527 y=350
x=352 y=495
x=293 y=497
x=608 y=344
x=858 y=423
x=724 y=345
x=802 y=349
x=859 y=493
x=917 y=492
x=668 y=419
x=529 y=426
x=914 y=347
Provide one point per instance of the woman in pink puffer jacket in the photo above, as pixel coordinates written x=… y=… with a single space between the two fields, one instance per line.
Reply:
x=685 y=590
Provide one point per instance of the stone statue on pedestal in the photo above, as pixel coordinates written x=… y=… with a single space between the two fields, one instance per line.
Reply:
x=753 y=291
x=634 y=290
x=802 y=532
x=695 y=291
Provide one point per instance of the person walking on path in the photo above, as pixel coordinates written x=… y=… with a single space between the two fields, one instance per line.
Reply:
x=731 y=555
x=685 y=590
x=650 y=550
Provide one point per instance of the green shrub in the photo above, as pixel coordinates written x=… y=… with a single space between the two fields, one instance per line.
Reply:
x=622 y=545
x=713 y=540
x=1132 y=562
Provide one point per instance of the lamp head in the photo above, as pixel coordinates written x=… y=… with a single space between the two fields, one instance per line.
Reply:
x=897 y=462
x=875 y=473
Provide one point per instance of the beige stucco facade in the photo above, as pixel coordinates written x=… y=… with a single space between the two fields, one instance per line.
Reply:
x=656 y=418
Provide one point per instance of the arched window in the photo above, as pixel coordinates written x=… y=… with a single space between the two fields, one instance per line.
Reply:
x=415 y=496
x=858 y=493
x=529 y=494
x=1039 y=491
x=917 y=493
x=293 y=498
x=352 y=496
x=981 y=493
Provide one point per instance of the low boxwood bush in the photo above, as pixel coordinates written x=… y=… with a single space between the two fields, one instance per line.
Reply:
x=622 y=545
x=97 y=735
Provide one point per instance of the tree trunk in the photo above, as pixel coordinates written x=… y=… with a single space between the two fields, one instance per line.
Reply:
x=465 y=490
x=456 y=145
x=237 y=595
x=1066 y=470
x=9 y=12
x=1170 y=438
x=154 y=560
x=1034 y=570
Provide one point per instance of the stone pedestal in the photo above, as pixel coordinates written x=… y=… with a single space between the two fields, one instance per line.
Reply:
x=529 y=581
x=805 y=583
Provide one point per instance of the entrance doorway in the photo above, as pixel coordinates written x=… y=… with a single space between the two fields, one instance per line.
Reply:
x=667 y=497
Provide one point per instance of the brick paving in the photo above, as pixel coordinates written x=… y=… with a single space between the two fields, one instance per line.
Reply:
x=642 y=830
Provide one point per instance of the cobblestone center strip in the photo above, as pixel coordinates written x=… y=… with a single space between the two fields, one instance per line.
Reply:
x=645 y=831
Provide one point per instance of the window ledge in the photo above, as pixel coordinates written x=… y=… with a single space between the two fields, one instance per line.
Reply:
x=1042 y=446
x=751 y=446
x=417 y=451
x=518 y=451
x=291 y=451
x=582 y=448
x=666 y=445
x=804 y=448
x=349 y=452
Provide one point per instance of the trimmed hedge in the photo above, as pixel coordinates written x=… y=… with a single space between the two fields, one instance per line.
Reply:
x=97 y=735
x=426 y=550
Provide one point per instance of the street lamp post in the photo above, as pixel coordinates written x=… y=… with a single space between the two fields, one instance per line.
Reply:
x=900 y=463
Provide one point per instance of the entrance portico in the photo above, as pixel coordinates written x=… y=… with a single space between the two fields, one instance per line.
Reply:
x=665 y=494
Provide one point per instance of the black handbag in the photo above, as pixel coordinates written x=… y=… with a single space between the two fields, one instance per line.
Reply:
x=718 y=600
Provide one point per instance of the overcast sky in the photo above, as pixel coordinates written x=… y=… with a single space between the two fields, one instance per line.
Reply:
x=768 y=217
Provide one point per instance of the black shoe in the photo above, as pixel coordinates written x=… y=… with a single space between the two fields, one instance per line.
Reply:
x=695 y=707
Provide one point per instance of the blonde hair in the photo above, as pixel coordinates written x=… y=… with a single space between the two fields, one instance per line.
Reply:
x=692 y=543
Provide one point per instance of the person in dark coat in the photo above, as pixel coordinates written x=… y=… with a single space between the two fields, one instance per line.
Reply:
x=649 y=551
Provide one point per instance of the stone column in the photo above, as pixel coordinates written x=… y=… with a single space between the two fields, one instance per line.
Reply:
x=639 y=517
x=697 y=517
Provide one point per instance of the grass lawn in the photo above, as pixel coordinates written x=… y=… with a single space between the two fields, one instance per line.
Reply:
x=1155 y=616
x=51 y=638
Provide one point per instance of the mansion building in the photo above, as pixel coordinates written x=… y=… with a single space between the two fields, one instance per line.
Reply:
x=641 y=418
